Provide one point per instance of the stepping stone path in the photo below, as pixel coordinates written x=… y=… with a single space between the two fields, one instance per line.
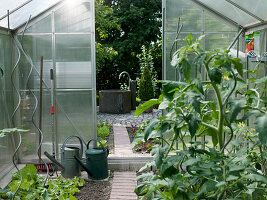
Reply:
x=121 y=141
x=124 y=183
x=123 y=186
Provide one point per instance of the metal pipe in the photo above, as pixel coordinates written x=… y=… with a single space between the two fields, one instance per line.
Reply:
x=8 y=25
x=41 y=105
x=124 y=72
x=52 y=112
x=235 y=39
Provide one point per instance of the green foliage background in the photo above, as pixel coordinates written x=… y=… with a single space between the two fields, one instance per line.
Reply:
x=122 y=27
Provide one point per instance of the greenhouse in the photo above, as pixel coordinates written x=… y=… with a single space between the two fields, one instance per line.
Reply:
x=165 y=96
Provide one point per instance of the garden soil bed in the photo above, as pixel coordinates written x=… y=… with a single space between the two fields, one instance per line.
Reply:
x=95 y=190
x=144 y=147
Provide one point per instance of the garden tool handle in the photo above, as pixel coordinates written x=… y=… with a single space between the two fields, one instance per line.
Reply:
x=68 y=138
x=104 y=149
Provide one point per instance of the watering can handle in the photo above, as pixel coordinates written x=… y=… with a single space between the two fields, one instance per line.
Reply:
x=68 y=138
x=96 y=141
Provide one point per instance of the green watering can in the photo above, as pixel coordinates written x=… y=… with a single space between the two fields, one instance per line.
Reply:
x=69 y=166
x=96 y=161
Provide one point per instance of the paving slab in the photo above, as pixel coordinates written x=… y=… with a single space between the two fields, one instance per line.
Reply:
x=123 y=186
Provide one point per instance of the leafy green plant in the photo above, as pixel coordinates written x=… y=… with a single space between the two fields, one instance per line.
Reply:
x=146 y=60
x=231 y=169
x=6 y=131
x=146 y=91
x=103 y=131
x=32 y=186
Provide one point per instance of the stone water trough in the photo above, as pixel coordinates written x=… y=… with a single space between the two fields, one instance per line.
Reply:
x=115 y=101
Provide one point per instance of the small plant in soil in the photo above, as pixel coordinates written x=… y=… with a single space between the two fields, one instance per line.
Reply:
x=32 y=186
x=140 y=145
x=234 y=167
x=103 y=132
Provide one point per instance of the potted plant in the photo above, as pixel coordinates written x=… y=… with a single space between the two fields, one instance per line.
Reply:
x=227 y=168
x=146 y=91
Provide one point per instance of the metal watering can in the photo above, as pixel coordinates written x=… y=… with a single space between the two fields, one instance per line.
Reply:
x=69 y=166
x=96 y=161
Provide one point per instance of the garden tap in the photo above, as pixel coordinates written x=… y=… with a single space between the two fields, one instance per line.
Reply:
x=124 y=72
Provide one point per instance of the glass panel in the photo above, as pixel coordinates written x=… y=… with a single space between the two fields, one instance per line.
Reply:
x=191 y=16
x=212 y=24
x=220 y=40
x=73 y=18
x=257 y=7
x=32 y=9
x=42 y=26
x=230 y=11
x=73 y=48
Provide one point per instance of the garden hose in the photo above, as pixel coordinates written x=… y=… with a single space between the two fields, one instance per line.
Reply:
x=224 y=115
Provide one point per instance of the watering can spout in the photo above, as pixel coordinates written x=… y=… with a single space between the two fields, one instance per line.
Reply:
x=83 y=165
x=60 y=166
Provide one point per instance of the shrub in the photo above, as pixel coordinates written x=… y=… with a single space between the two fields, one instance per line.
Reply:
x=146 y=91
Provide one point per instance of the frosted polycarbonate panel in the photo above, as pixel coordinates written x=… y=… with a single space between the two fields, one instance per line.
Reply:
x=257 y=7
x=73 y=18
x=78 y=107
x=9 y=5
x=171 y=47
x=73 y=48
x=30 y=139
x=42 y=26
x=221 y=40
x=213 y=24
x=74 y=74
x=230 y=11
x=37 y=46
x=189 y=13
x=6 y=149
x=32 y=9
x=6 y=103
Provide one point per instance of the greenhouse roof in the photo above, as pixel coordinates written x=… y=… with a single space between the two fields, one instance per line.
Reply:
x=21 y=10
x=246 y=13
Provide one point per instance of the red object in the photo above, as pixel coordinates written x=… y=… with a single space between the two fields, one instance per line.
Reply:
x=52 y=110
x=42 y=167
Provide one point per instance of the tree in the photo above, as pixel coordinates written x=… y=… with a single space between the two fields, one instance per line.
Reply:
x=140 y=23
x=122 y=28
x=106 y=25
x=146 y=91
